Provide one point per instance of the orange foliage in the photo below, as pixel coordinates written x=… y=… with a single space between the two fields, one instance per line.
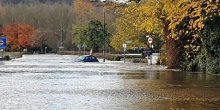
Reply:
x=18 y=36
x=84 y=10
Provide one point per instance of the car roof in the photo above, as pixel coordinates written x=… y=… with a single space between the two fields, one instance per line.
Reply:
x=87 y=55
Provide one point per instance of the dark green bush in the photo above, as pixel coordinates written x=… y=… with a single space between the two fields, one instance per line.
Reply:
x=210 y=55
x=6 y=57
x=113 y=57
x=139 y=60
x=208 y=58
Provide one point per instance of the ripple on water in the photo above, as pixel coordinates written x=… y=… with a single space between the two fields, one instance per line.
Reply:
x=57 y=82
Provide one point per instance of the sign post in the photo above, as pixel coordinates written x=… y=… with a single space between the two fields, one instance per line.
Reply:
x=61 y=49
x=2 y=51
x=45 y=50
x=124 y=46
x=3 y=44
x=150 y=41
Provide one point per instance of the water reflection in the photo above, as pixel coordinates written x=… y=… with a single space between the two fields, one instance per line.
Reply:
x=173 y=90
x=168 y=75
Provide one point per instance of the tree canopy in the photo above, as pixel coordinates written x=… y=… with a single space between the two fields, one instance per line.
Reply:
x=178 y=22
x=18 y=36
x=91 y=34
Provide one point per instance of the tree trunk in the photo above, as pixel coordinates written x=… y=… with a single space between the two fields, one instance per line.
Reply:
x=172 y=52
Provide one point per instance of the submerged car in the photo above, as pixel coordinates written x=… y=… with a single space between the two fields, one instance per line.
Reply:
x=87 y=58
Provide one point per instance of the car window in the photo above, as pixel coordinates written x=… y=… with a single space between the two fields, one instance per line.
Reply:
x=81 y=58
x=87 y=58
x=93 y=58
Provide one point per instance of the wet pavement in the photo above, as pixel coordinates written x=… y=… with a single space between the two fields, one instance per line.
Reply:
x=56 y=82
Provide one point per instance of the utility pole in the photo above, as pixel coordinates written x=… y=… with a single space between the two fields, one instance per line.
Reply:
x=104 y=30
x=104 y=34
x=61 y=37
x=61 y=41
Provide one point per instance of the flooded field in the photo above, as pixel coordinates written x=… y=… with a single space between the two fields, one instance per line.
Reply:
x=56 y=82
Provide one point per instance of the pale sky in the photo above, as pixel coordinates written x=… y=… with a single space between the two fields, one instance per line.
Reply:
x=121 y=1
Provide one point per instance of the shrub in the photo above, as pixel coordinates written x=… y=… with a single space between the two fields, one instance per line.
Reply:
x=113 y=57
x=7 y=57
x=139 y=60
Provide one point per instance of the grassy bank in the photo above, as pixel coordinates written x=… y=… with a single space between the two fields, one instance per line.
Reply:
x=108 y=56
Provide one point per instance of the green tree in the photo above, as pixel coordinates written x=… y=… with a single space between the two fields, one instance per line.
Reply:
x=79 y=34
x=210 y=60
x=92 y=35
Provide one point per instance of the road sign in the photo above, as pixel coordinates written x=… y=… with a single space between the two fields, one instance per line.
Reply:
x=150 y=40
x=84 y=45
x=3 y=42
x=79 y=46
x=128 y=42
x=61 y=47
x=124 y=45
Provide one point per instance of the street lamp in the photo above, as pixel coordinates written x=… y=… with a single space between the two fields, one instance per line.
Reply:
x=104 y=34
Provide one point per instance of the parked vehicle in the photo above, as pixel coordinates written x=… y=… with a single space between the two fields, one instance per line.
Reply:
x=87 y=58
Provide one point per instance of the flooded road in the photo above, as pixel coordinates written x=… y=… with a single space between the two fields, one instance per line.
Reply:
x=55 y=82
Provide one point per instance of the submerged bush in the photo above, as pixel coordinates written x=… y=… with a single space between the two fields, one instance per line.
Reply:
x=208 y=58
x=211 y=44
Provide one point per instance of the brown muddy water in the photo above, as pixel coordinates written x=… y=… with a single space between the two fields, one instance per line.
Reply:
x=55 y=82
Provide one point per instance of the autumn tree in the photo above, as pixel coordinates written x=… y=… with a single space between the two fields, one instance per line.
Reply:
x=42 y=38
x=87 y=10
x=84 y=11
x=50 y=16
x=18 y=36
x=125 y=31
x=194 y=25
x=179 y=22
x=34 y=1
x=2 y=11
x=150 y=16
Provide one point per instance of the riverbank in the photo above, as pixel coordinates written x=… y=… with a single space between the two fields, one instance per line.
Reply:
x=133 y=58
x=108 y=56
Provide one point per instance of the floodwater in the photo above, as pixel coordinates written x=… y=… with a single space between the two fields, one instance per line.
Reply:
x=56 y=82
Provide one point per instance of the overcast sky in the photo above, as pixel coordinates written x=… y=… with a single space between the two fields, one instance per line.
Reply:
x=121 y=1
